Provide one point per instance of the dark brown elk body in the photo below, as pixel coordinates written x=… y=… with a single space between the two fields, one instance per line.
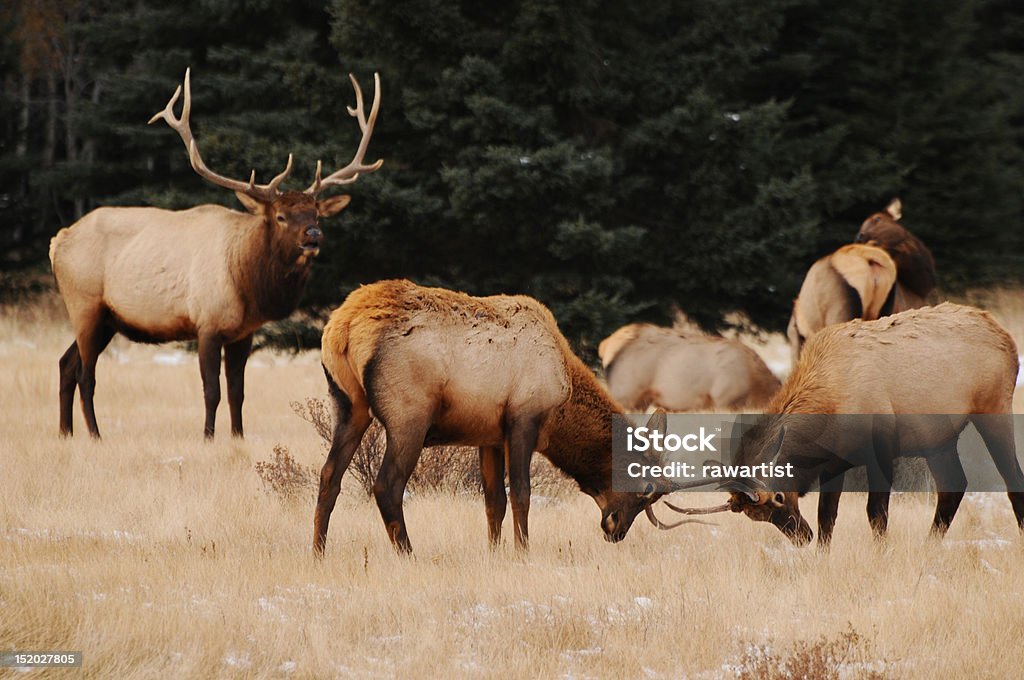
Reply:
x=915 y=265
x=949 y=359
x=208 y=273
x=440 y=367
x=683 y=371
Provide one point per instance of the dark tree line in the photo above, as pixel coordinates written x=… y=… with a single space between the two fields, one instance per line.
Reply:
x=612 y=159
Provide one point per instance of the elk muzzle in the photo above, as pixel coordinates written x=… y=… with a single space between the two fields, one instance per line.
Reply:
x=616 y=524
x=311 y=243
x=778 y=508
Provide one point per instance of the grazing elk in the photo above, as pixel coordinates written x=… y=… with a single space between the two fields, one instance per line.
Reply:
x=683 y=371
x=915 y=266
x=208 y=273
x=948 y=359
x=441 y=367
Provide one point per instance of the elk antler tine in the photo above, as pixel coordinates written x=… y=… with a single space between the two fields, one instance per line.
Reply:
x=698 y=511
x=168 y=110
x=252 y=179
x=358 y=112
x=186 y=108
x=649 y=511
x=274 y=183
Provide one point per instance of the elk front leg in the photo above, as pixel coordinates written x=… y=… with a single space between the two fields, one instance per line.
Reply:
x=236 y=355
x=350 y=422
x=492 y=470
x=70 y=364
x=522 y=440
x=209 y=368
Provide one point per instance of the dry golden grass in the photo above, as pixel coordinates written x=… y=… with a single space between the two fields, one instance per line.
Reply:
x=160 y=556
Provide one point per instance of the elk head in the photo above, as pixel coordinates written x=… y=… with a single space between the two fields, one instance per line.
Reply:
x=781 y=508
x=754 y=499
x=761 y=504
x=883 y=228
x=290 y=217
x=620 y=508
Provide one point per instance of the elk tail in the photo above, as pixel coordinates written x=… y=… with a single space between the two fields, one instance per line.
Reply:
x=868 y=270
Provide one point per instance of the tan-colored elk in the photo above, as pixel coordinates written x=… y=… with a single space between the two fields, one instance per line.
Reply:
x=856 y=281
x=887 y=270
x=441 y=367
x=208 y=273
x=948 y=359
x=678 y=370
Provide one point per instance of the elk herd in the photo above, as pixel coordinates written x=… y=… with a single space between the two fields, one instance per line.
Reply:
x=436 y=366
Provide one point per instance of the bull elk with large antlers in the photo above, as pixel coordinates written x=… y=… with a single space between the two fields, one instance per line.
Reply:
x=208 y=273
x=440 y=367
x=950 y=359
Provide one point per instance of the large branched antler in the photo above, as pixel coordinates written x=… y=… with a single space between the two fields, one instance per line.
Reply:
x=350 y=173
x=261 y=192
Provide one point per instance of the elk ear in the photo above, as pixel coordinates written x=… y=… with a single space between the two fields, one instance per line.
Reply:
x=333 y=205
x=250 y=203
x=895 y=209
x=658 y=420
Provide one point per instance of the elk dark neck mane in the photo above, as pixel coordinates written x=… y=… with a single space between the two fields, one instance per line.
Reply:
x=268 y=278
x=580 y=434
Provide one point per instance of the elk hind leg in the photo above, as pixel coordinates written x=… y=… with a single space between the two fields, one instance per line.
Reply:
x=828 y=508
x=522 y=440
x=950 y=485
x=236 y=355
x=405 y=444
x=997 y=431
x=880 y=473
x=70 y=364
x=492 y=471
x=351 y=418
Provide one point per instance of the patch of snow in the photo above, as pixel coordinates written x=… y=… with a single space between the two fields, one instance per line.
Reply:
x=996 y=543
x=288 y=667
x=170 y=358
x=987 y=566
x=238 y=659
x=643 y=602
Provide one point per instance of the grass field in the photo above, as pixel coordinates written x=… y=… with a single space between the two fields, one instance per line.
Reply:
x=159 y=555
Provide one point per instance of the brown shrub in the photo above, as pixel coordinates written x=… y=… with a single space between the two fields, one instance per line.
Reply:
x=285 y=477
x=446 y=469
x=847 y=654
